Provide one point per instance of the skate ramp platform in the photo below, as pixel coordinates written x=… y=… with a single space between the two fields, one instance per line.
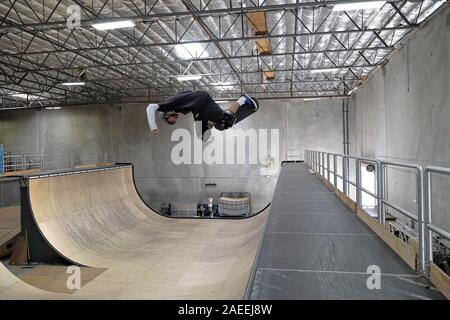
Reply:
x=315 y=247
x=96 y=218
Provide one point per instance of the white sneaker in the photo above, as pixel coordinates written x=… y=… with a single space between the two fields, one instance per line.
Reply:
x=250 y=101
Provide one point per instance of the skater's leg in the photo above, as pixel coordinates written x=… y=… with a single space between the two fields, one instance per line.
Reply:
x=234 y=106
x=229 y=116
x=244 y=99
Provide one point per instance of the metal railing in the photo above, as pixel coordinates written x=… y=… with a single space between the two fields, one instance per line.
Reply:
x=429 y=227
x=320 y=162
x=25 y=162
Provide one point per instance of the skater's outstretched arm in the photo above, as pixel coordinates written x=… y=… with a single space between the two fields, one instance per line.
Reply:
x=151 y=111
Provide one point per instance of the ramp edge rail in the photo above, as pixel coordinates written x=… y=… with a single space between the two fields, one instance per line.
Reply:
x=325 y=164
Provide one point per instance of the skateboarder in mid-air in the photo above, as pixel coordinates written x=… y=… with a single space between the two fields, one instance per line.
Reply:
x=204 y=109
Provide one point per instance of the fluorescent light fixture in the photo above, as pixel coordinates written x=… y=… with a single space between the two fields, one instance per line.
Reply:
x=358 y=5
x=188 y=51
x=323 y=70
x=26 y=96
x=353 y=90
x=52 y=108
x=314 y=99
x=73 y=83
x=20 y=95
x=189 y=77
x=114 y=25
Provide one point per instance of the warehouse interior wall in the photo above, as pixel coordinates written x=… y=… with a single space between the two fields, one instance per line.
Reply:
x=403 y=114
x=123 y=129
x=299 y=125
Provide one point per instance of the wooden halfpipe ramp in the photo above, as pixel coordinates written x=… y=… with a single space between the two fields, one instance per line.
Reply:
x=96 y=218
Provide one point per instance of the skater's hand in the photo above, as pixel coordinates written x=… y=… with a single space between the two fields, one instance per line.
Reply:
x=155 y=131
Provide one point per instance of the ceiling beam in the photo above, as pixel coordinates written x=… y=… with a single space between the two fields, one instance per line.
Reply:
x=203 y=41
x=62 y=24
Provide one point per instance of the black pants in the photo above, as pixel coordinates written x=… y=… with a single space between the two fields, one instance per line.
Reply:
x=200 y=103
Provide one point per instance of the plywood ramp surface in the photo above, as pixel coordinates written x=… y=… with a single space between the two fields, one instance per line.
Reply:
x=97 y=219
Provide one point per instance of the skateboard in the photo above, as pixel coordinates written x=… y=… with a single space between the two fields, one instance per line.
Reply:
x=243 y=112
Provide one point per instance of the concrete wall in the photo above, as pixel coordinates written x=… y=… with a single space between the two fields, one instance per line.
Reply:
x=123 y=129
x=315 y=125
x=403 y=113
x=84 y=131
x=69 y=130
x=301 y=125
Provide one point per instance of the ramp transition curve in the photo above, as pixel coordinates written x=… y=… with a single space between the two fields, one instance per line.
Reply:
x=97 y=219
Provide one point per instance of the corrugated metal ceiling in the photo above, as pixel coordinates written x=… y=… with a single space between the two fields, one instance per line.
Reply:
x=315 y=51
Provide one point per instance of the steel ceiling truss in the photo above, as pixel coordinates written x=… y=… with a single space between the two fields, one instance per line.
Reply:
x=315 y=51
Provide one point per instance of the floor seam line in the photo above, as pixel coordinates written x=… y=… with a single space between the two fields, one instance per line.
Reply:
x=323 y=233
x=340 y=272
